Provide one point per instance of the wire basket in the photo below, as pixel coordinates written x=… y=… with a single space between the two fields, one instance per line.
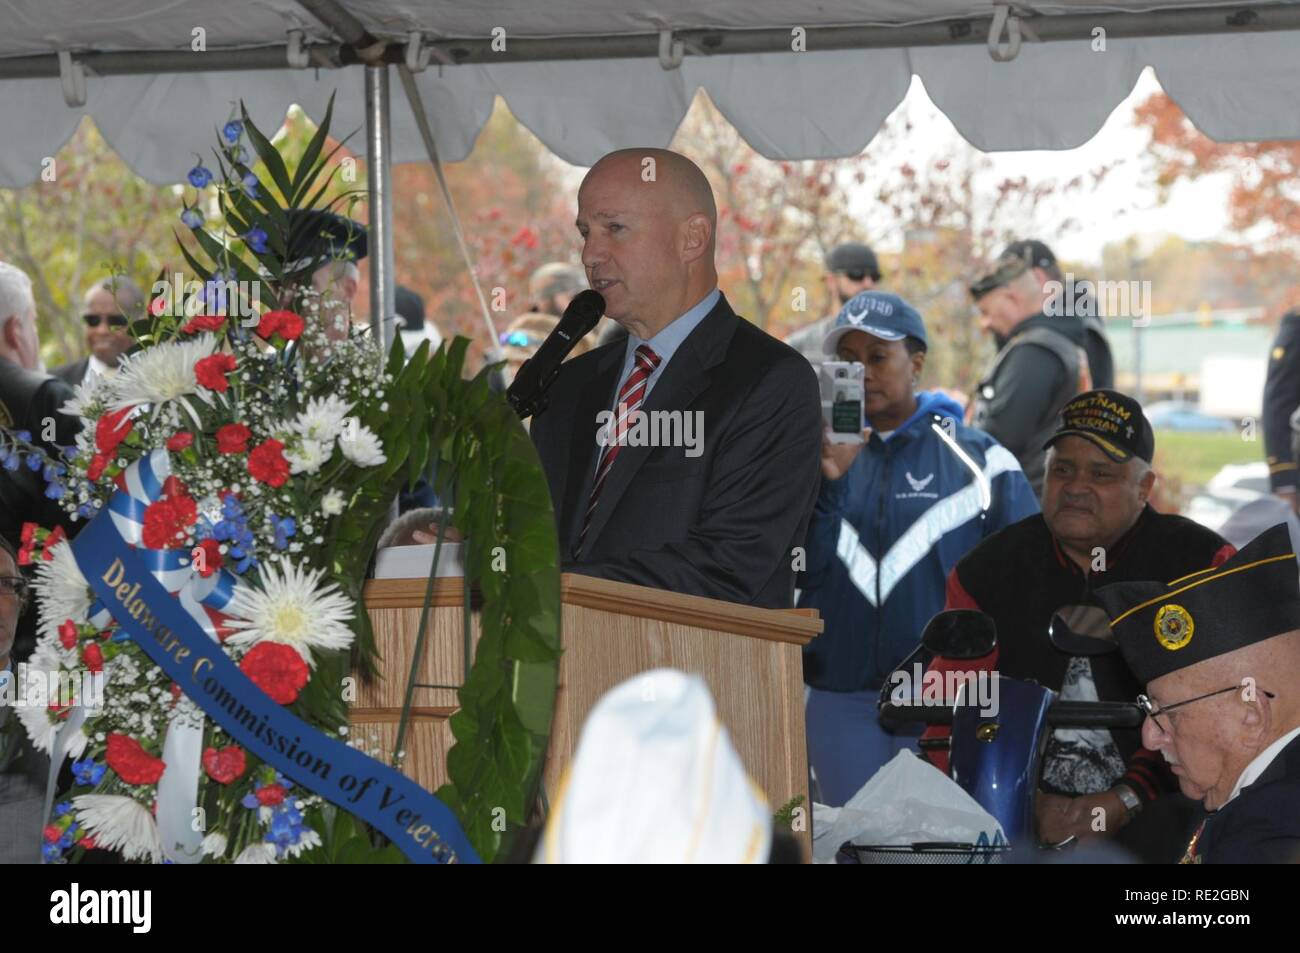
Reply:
x=922 y=854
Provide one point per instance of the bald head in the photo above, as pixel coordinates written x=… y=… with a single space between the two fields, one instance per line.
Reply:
x=648 y=221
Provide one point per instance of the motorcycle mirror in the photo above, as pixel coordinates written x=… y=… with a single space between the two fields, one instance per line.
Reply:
x=960 y=634
x=1082 y=630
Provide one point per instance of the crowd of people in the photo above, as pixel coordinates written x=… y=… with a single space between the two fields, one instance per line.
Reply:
x=1031 y=501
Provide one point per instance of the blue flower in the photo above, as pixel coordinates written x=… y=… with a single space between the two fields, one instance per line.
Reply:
x=87 y=772
x=55 y=491
x=250 y=800
x=51 y=853
x=62 y=808
x=85 y=511
x=192 y=217
x=232 y=131
x=10 y=460
x=256 y=240
x=53 y=471
x=249 y=185
x=24 y=435
x=284 y=528
x=33 y=462
x=200 y=177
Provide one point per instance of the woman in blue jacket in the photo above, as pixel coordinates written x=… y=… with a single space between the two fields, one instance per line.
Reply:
x=893 y=516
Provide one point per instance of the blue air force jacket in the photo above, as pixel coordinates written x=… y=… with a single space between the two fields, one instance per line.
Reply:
x=883 y=538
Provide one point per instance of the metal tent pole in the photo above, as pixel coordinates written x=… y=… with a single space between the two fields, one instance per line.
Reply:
x=379 y=181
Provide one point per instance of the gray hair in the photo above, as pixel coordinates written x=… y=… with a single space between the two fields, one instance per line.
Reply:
x=556 y=278
x=128 y=295
x=16 y=298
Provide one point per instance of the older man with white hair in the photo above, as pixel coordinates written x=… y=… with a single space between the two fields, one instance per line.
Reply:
x=29 y=402
x=1219 y=654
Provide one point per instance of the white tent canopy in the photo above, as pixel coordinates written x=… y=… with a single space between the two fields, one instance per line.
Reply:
x=586 y=75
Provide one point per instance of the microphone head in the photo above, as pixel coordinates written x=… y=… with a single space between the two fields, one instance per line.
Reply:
x=588 y=306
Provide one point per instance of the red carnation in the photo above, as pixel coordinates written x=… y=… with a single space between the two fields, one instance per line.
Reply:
x=179 y=441
x=233 y=438
x=97 y=465
x=267 y=464
x=269 y=795
x=225 y=765
x=204 y=322
x=29 y=532
x=210 y=559
x=277 y=670
x=68 y=634
x=269 y=323
x=290 y=326
x=93 y=656
x=56 y=536
x=211 y=371
x=132 y=763
x=52 y=833
x=88 y=842
x=167 y=519
x=112 y=429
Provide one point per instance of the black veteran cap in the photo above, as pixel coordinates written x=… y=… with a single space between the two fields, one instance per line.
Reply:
x=1112 y=421
x=1164 y=627
x=1015 y=260
x=317 y=237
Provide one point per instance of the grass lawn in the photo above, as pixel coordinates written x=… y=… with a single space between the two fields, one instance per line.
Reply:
x=1186 y=461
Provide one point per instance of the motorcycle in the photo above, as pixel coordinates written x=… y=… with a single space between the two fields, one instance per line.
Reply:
x=996 y=751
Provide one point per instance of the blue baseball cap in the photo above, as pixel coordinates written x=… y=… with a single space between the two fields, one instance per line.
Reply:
x=878 y=313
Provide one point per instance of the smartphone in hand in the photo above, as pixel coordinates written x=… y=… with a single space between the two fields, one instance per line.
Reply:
x=841 y=392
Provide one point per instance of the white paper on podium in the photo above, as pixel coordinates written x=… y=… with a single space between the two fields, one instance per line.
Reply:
x=413 y=562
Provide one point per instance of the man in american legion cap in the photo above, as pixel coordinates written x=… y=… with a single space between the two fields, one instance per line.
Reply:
x=1219 y=653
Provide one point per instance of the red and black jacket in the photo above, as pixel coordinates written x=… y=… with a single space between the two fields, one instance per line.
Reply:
x=1021 y=576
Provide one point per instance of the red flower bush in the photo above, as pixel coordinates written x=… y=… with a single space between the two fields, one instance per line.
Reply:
x=233 y=438
x=179 y=441
x=277 y=670
x=132 y=763
x=267 y=464
x=204 y=322
x=93 y=656
x=211 y=371
x=224 y=765
x=167 y=519
x=269 y=795
x=287 y=324
x=209 y=559
x=68 y=634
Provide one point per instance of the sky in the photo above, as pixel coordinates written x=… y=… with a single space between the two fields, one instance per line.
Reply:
x=1124 y=204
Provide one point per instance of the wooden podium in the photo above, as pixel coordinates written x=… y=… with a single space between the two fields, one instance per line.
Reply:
x=750 y=658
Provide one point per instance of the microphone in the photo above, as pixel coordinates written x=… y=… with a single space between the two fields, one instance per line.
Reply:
x=527 y=393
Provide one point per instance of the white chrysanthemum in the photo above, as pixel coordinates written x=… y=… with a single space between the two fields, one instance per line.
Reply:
x=120 y=823
x=309 y=456
x=160 y=373
x=62 y=592
x=290 y=608
x=256 y=854
x=307 y=839
x=331 y=504
x=87 y=397
x=323 y=419
x=361 y=446
x=214 y=844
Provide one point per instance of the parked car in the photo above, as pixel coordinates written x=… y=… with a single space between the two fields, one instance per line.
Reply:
x=1228 y=491
x=1180 y=415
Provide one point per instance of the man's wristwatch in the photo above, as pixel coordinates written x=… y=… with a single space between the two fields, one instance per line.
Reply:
x=1132 y=803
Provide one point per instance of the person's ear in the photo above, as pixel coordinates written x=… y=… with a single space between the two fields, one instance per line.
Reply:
x=1256 y=721
x=349 y=288
x=695 y=237
x=1145 y=484
x=918 y=365
x=10 y=332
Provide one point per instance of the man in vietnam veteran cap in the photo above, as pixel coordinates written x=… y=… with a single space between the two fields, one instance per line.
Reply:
x=1219 y=652
x=327 y=247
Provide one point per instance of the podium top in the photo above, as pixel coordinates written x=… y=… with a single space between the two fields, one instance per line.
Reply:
x=798 y=626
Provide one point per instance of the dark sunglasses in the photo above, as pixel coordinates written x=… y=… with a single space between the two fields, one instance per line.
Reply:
x=114 y=320
x=1153 y=710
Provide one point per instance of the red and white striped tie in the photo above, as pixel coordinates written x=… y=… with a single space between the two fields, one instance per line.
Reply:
x=629 y=401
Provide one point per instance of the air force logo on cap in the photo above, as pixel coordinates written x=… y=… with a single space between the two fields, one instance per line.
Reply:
x=878 y=313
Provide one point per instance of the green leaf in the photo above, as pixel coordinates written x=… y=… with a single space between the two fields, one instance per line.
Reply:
x=305 y=173
x=269 y=155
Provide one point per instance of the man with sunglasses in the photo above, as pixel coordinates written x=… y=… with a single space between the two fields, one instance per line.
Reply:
x=109 y=306
x=1219 y=654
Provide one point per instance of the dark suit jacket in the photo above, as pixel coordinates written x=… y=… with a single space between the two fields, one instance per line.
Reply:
x=1261 y=825
x=721 y=524
x=71 y=374
x=23 y=775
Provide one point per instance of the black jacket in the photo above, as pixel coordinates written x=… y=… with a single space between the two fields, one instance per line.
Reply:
x=723 y=524
x=27 y=400
x=72 y=374
x=1036 y=371
x=1281 y=399
x=1261 y=825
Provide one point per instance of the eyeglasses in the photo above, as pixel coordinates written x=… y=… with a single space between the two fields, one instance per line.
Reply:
x=1152 y=709
x=13 y=586
x=518 y=339
x=114 y=320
